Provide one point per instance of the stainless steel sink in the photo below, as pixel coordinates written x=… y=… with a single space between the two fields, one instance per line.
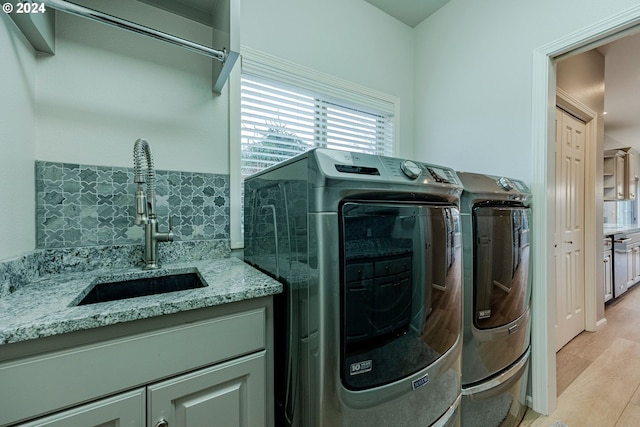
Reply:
x=127 y=287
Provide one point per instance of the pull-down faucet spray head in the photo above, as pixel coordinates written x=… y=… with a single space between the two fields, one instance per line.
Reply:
x=145 y=204
x=141 y=207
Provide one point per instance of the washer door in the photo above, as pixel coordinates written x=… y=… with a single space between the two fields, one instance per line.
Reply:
x=400 y=289
x=501 y=279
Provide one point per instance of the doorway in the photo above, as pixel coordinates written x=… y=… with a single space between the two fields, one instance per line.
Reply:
x=544 y=298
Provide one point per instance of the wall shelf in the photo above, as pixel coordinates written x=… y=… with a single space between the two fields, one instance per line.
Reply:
x=39 y=29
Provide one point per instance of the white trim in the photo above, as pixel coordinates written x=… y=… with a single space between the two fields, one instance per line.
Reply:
x=601 y=324
x=543 y=384
x=236 y=240
x=235 y=227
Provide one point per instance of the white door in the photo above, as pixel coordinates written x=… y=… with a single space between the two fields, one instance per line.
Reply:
x=569 y=236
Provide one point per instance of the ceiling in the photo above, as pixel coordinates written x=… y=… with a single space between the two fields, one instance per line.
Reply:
x=622 y=92
x=411 y=12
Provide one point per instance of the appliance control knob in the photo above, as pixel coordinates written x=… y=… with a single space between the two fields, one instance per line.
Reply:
x=410 y=169
x=505 y=184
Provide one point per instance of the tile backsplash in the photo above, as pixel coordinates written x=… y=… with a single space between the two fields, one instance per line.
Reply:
x=84 y=221
x=81 y=205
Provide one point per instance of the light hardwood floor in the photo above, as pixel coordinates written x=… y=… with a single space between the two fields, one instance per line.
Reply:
x=598 y=373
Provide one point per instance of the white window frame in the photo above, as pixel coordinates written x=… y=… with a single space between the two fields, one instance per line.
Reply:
x=274 y=68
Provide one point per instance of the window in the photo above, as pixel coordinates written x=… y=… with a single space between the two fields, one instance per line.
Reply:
x=286 y=109
x=280 y=121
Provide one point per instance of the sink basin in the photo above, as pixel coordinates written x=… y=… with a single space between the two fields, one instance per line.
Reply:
x=139 y=287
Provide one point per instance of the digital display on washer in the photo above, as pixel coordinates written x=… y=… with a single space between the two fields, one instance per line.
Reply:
x=442 y=175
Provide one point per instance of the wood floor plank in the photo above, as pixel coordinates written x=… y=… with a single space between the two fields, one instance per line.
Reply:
x=568 y=368
x=600 y=394
x=630 y=417
x=635 y=399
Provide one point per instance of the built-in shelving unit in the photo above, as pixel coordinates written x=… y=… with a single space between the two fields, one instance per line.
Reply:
x=220 y=15
x=619 y=175
x=613 y=174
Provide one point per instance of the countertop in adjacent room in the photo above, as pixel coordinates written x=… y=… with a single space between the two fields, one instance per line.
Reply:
x=46 y=307
x=610 y=230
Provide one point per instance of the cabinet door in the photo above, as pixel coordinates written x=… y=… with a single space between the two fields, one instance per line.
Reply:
x=630 y=179
x=231 y=394
x=126 y=409
x=608 y=277
x=630 y=266
x=620 y=177
x=636 y=263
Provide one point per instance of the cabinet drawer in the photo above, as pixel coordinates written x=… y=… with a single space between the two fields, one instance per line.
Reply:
x=64 y=378
x=127 y=409
x=392 y=266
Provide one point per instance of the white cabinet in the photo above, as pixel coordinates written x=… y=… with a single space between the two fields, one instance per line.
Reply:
x=608 y=271
x=229 y=395
x=209 y=364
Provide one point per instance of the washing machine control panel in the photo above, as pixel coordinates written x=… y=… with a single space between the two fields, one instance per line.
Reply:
x=505 y=183
x=345 y=164
x=410 y=169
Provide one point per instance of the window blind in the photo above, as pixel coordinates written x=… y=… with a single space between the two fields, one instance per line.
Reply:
x=280 y=120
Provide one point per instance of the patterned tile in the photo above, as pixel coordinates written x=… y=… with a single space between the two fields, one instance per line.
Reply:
x=80 y=205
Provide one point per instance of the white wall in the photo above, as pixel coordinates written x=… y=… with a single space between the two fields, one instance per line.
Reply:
x=474 y=110
x=474 y=73
x=348 y=39
x=17 y=191
x=106 y=87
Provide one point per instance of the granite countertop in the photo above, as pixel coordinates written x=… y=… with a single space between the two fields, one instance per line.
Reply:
x=610 y=230
x=46 y=306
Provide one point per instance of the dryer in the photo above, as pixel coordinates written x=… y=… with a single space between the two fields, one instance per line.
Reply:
x=368 y=328
x=495 y=218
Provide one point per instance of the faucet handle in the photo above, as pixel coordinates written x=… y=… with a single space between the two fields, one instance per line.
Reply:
x=170 y=222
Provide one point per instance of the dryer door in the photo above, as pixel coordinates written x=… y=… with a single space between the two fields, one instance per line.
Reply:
x=501 y=282
x=400 y=289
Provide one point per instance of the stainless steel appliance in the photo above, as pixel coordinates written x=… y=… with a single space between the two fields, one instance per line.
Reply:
x=368 y=329
x=626 y=261
x=495 y=218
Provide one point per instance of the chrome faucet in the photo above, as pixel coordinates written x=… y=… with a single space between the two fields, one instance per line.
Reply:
x=145 y=204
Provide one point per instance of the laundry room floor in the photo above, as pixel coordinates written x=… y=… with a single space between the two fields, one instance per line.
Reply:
x=598 y=373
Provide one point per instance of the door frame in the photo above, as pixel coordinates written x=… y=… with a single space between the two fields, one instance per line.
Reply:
x=593 y=211
x=543 y=361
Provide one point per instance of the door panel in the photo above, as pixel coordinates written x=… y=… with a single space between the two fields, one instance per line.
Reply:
x=230 y=394
x=569 y=252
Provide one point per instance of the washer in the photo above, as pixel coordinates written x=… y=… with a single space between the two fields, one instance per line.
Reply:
x=368 y=328
x=496 y=218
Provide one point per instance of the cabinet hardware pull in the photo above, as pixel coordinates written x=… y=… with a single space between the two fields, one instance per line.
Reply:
x=162 y=423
